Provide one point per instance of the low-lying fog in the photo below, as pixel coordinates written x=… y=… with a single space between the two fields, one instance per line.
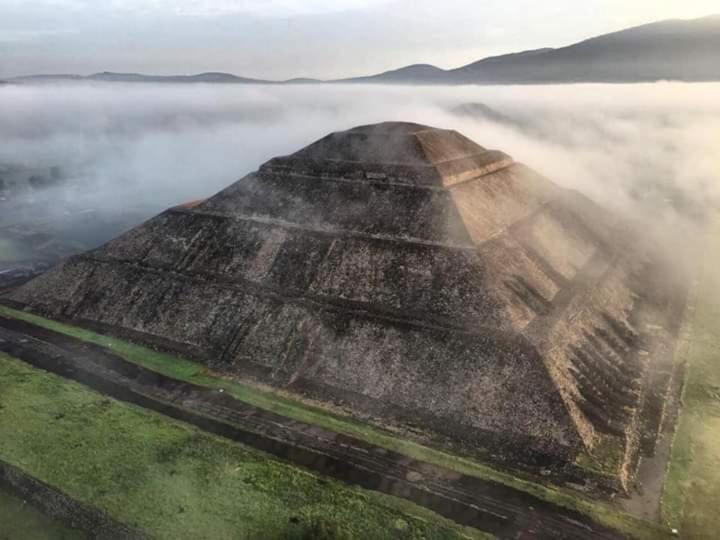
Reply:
x=108 y=148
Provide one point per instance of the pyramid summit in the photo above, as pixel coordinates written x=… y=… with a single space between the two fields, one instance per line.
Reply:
x=410 y=276
x=404 y=152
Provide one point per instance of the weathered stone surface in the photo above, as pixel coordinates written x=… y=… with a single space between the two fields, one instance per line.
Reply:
x=404 y=272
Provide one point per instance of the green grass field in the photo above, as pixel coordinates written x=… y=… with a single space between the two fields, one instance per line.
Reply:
x=189 y=371
x=19 y=521
x=691 y=498
x=174 y=481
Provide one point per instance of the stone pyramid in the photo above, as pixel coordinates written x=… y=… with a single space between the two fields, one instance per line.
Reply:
x=404 y=273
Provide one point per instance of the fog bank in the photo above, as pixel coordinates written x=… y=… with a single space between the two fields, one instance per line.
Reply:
x=639 y=148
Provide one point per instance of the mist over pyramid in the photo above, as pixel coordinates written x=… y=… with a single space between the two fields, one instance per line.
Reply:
x=409 y=276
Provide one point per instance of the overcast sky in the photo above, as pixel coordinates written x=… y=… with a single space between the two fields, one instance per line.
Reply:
x=287 y=38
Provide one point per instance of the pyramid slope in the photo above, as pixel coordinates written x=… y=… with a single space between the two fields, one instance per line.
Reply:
x=495 y=311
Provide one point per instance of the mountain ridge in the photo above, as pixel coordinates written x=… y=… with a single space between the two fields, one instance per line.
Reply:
x=673 y=49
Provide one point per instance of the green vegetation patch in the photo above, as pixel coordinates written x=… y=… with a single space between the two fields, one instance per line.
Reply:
x=173 y=481
x=606 y=459
x=691 y=496
x=193 y=372
x=18 y=521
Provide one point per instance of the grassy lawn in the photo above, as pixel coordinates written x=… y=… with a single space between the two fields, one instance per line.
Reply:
x=691 y=498
x=19 y=521
x=193 y=372
x=173 y=481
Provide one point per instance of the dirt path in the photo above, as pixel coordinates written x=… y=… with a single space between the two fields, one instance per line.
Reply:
x=489 y=506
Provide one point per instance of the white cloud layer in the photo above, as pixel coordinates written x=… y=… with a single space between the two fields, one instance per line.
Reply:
x=632 y=147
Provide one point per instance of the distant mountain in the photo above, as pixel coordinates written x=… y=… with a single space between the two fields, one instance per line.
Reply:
x=673 y=50
x=108 y=76
x=303 y=80
x=677 y=50
x=213 y=77
x=418 y=73
x=668 y=50
x=48 y=78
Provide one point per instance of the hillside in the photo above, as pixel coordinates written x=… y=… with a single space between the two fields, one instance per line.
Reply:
x=684 y=50
x=678 y=50
x=672 y=50
x=214 y=77
x=417 y=73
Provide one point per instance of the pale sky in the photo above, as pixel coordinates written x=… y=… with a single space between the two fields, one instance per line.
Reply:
x=280 y=39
